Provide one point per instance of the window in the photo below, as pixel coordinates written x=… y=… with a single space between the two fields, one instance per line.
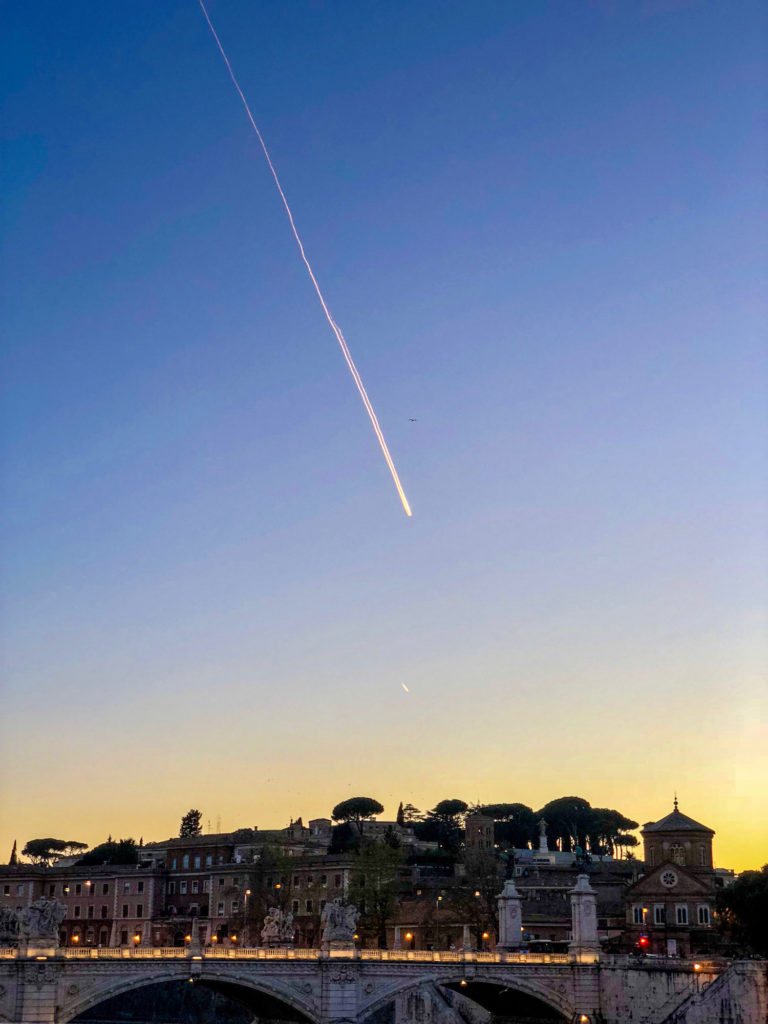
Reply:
x=206 y=885
x=637 y=914
x=123 y=938
x=208 y=860
x=51 y=890
x=310 y=881
x=139 y=887
x=652 y=856
x=322 y=905
x=126 y=887
x=194 y=910
x=125 y=910
x=702 y=855
x=295 y=881
x=677 y=853
x=309 y=906
x=139 y=910
x=221 y=881
x=104 y=910
x=220 y=910
x=173 y=864
x=235 y=906
x=90 y=911
x=105 y=889
x=103 y=937
x=195 y=886
x=659 y=917
x=171 y=888
x=337 y=881
x=183 y=887
x=78 y=890
x=20 y=890
x=702 y=912
x=323 y=879
x=197 y=861
x=681 y=914
x=6 y=890
x=77 y=911
x=89 y=937
x=185 y=861
x=295 y=906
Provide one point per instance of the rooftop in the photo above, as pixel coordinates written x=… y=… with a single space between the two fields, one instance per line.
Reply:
x=676 y=821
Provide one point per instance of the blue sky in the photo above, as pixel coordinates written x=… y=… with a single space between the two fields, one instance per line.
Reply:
x=540 y=228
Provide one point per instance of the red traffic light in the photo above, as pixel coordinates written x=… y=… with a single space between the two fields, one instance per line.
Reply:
x=643 y=940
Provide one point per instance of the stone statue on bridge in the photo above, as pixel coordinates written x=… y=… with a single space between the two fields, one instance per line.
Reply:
x=339 y=922
x=9 y=926
x=278 y=928
x=41 y=920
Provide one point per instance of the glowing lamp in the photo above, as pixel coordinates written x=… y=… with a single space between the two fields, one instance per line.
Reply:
x=697 y=967
x=408 y=936
x=463 y=983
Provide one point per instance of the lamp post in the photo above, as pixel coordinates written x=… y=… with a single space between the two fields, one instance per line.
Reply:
x=437 y=922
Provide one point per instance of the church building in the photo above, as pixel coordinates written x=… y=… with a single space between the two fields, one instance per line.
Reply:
x=670 y=908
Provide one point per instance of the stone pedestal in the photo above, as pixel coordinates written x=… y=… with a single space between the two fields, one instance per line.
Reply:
x=584 y=945
x=510 y=918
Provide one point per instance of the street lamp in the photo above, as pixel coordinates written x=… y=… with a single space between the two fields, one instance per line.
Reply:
x=437 y=921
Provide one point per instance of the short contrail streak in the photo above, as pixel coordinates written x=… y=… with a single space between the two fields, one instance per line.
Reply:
x=334 y=326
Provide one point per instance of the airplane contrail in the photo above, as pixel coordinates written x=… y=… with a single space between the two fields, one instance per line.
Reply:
x=334 y=326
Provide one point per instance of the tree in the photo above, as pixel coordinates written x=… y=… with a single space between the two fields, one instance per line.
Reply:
x=270 y=884
x=357 y=809
x=447 y=819
x=190 y=824
x=14 y=858
x=606 y=830
x=124 y=851
x=514 y=824
x=43 y=851
x=410 y=814
x=374 y=886
x=400 y=818
x=568 y=820
x=743 y=911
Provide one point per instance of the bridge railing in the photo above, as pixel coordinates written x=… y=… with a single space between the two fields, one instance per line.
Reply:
x=262 y=953
x=8 y=953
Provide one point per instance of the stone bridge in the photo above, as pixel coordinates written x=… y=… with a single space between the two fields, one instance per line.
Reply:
x=310 y=987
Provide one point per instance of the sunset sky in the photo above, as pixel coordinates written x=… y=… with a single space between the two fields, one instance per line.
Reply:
x=540 y=227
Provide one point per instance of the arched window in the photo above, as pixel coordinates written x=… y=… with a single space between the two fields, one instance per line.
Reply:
x=703 y=855
x=185 y=861
x=677 y=853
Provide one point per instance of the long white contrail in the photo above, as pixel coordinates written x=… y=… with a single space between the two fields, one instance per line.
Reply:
x=334 y=326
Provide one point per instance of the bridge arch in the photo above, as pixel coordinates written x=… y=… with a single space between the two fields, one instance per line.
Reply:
x=536 y=988
x=245 y=988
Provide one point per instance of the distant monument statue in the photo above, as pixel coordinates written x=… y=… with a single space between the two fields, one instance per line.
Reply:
x=339 y=923
x=278 y=928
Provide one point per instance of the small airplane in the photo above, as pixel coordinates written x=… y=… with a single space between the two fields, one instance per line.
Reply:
x=412 y=419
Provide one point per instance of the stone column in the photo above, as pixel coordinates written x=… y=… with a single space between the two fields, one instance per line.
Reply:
x=398 y=942
x=510 y=918
x=466 y=938
x=584 y=945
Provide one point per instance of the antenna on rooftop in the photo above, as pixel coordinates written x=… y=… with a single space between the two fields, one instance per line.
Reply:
x=218 y=823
